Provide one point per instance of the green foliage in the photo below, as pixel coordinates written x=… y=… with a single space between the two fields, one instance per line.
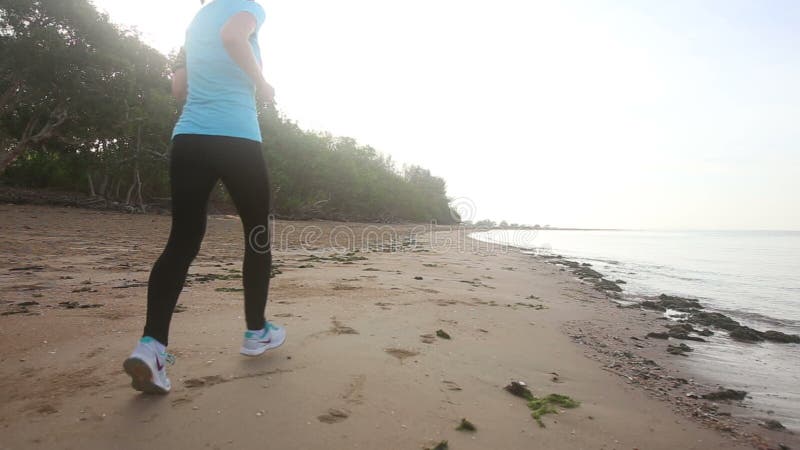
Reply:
x=548 y=405
x=85 y=105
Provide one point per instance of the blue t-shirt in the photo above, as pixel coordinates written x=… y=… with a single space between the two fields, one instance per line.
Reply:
x=221 y=97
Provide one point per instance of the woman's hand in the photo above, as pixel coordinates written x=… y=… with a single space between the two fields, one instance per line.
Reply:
x=265 y=92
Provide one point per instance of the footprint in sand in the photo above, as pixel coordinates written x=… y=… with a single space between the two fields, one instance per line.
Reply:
x=400 y=353
x=427 y=338
x=451 y=385
x=338 y=328
x=355 y=392
x=334 y=416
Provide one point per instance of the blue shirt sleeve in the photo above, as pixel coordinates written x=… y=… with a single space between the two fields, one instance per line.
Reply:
x=256 y=10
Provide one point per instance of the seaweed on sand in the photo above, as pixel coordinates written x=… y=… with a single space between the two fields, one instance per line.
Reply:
x=548 y=405
x=466 y=425
x=440 y=446
x=541 y=406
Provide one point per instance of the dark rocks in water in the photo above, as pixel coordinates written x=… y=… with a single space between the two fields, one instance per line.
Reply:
x=705 y=332
x=586 y=265
x=570 y=264
x=746 y=334
x=621 y=282
x=714 y=319
x=725 y=394
x=679 y=303
x=658 y=335
x=682 y=330
x=679 y=349
x=647 y=304
x=772 y=424
x=777 y=336
x=520 y=389
x=607 y=285
x=585 y=272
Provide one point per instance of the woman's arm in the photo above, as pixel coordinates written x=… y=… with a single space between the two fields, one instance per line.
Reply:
x=179 y=85
x=235 y=37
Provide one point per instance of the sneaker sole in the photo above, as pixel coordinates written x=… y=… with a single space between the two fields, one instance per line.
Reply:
x=259 y=352
x=142 y=377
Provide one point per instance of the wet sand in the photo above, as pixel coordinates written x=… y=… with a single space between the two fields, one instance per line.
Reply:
x=362 y=366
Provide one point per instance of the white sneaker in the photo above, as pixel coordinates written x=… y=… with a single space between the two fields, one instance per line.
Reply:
x=257 y=342
x=147 y=367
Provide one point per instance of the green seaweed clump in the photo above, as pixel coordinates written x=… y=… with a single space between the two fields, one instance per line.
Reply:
x=547 y=405
x=466 y=425
x=440 y=446
x=442 y=334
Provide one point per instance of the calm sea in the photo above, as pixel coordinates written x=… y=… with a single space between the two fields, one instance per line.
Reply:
x=752 y=276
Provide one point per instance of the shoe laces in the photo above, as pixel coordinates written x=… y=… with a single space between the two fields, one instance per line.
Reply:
x=169 y=358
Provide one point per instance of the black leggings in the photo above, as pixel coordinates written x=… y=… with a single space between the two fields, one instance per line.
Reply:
x=196 y=164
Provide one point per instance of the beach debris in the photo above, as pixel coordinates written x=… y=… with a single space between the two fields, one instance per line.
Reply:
x=772 y=424
x=229 y=289
x=519 y=389
x=75 y=305
x=548 y=405
x=440 y=446
x=442 y=334
x=85 y=289
x=537 y=307
x=180 y=308
x=431 y=265
x=347 y=258
x=417 y=278
x=679 y=349
x=26 y=268
x=466 y=425
x=130 y=284
x=333 y=416
x=725 y=394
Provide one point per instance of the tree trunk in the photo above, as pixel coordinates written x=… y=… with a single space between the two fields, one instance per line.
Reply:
x=91 y=185
x=57 y=117
x=130 y=192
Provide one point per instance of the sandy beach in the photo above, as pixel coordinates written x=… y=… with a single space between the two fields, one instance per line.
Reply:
x=363 y=366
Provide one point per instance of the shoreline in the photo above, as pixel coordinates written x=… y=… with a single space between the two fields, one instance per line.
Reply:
x=668 y=320
x=363 y=365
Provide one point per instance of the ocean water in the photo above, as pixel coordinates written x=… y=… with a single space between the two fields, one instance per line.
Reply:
x=752 y=276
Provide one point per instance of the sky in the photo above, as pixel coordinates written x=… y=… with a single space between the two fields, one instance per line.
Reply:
x=645 y=114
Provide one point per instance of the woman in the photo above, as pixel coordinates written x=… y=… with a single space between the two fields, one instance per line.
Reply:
x=216 y=138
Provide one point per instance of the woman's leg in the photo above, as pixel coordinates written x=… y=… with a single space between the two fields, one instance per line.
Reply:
x=245 y=176
x=192 y=178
